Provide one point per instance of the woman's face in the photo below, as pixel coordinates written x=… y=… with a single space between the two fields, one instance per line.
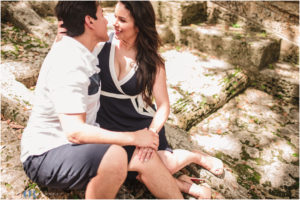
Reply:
x=124 y=24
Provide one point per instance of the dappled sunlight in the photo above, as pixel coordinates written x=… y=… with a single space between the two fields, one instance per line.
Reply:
x=210 y=31
x=213 y=143
x=201 y=72
x=253 y=129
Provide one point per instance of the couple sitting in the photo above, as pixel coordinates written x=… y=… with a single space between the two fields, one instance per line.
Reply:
x=71 y=142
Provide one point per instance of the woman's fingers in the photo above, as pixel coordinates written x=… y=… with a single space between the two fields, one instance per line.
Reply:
x=145 y=154
x=60 y=31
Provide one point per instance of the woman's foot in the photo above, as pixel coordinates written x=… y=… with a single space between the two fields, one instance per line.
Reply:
x=198 y=191
x=212 y=164
x=202 y=191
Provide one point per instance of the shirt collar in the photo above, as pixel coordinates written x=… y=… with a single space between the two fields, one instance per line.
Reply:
x=85 y=51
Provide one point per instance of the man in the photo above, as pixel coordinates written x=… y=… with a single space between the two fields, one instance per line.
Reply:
x=62 y=147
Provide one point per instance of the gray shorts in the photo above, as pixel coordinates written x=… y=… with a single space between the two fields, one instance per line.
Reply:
x=67 y=167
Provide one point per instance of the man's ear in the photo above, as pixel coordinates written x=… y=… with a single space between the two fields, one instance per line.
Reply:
x=89 y=21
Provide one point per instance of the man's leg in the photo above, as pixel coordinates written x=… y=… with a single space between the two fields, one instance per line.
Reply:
x=111 y=174
x=156 y=177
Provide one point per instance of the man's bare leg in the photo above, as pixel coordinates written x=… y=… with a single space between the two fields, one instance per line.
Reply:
x=156 y=177
x=111 y=175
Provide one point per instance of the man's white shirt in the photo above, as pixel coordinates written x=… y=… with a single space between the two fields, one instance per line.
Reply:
x=68 y=83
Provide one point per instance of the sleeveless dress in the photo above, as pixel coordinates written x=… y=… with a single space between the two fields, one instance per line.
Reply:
x=121 y=105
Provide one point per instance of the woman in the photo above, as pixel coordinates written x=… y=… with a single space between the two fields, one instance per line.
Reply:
x=132 y=75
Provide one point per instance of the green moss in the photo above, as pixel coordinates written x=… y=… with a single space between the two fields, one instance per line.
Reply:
x=244 y=155
x=227 y=159
x=267 y=184
x=253 y=194
x=247 y=176
x=260 y=161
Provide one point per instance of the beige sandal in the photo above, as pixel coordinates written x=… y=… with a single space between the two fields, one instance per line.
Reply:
x=202 y=191
x=215 y=165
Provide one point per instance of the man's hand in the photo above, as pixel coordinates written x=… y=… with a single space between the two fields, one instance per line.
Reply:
x=146 y=138
x=60 y=31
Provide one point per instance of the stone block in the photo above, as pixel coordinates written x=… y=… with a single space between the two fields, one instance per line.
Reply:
x=15 y=99
x=251 y=52
x=22 y=15
x=43 y=8
x=281 y=80
x=23 y=72
x=199 y=86
x=176 y=14
x=165 y=34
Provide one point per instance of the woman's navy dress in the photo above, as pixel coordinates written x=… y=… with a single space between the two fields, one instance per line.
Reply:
x=121 y=104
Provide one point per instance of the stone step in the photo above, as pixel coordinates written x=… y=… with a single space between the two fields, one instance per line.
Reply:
x=22 y=15
x=249 y=51
x=16 y=99
x=257 y=137
x=180 y=13
x=281 y=80
x=25 y=73
x=198 y=85
x=174 y=14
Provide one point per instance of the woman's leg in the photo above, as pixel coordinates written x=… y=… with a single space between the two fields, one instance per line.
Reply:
x=181 y=158
x=156 y=177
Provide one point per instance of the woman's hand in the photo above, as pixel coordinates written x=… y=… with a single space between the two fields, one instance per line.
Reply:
x=145 y=154
x=60 y=31
x=146 y=138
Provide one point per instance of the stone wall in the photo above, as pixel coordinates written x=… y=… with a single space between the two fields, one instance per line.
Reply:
x=278 y=18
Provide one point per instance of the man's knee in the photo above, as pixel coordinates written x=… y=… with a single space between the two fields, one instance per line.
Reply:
x=115 y=162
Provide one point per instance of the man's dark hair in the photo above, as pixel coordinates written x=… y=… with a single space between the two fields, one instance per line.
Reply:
x=73 y=13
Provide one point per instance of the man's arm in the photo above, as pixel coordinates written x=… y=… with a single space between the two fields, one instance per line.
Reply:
x=79 y=132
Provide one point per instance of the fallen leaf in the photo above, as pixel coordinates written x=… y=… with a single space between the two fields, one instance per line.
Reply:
x=19 y=136
x=8 y=121
x=219 y=131
x=16 y=126
x=239 y=106
x=252 y=187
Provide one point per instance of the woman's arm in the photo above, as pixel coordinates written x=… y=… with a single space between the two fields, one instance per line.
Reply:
x=79 y=132
x=161 y=97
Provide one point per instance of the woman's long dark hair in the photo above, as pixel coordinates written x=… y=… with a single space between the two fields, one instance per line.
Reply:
x=147 y=43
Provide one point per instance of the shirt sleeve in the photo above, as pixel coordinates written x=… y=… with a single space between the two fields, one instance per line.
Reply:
x=68 y=89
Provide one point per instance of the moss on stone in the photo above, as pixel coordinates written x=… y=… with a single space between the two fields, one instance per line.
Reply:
x=247 y=176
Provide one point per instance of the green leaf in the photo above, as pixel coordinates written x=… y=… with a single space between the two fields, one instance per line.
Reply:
x=295 y=155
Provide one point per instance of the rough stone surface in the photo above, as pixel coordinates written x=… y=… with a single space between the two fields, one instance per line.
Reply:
x=16 y=99
x=281 y=80
x=21 y=14
x=176 y=14
x=43 y=8
x=253 y=134
x=198 y=85
x=278 y=18
x=251 y=52
x=23 y=72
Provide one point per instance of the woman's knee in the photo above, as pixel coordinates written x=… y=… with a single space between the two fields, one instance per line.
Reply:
x=141 y=167
x=115 y=161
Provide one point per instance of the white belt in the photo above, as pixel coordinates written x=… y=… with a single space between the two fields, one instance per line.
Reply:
x=138 y=105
